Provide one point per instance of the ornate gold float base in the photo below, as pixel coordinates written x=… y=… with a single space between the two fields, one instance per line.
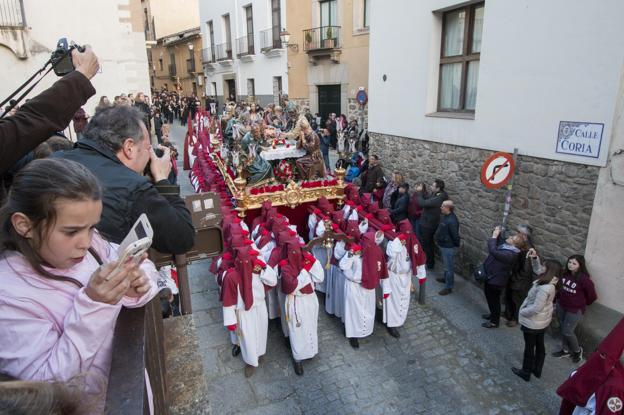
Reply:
x=292 y=195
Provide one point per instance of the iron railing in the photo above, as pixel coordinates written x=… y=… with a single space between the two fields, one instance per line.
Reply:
x=208 y=55
x=172 y=69
x=190 y=65
x=270 y=39
x=245 y=45
x=12 y=13
x=325 y=37
x=224 y=51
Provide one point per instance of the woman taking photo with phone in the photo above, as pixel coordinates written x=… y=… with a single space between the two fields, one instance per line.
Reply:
x=535 y=315
x=59 y=297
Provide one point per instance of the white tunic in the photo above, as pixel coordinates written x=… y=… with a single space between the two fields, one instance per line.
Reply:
x=321 y=256
x=398 y=284
x=334 y=296
x=359 y=303
x=302 y=315
x=252 y=324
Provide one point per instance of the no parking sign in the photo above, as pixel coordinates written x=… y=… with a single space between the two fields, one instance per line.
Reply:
x=497 y=170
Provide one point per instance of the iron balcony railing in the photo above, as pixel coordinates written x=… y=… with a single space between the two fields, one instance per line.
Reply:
x=245 y=45
x=224 y=51
x=208 y=55
x=190 y=65
x=324 y=37
x=172 y=69
x=12 y=13
x=270 y=39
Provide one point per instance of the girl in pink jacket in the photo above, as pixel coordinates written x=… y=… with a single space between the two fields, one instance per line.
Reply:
x=59 y=296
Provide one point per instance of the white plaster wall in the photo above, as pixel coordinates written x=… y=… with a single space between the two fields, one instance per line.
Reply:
x=541 y=63
x=262 y=69
x=606 y=239
x=121 y=51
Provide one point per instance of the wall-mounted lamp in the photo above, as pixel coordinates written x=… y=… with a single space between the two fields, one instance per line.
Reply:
x=285 y=37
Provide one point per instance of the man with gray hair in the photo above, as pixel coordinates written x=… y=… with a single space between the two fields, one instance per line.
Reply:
x=117 y=149
x=447 y=239
x=520 y=280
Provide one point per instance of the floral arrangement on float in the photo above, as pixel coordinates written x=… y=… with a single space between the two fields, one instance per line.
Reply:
x=284 y=171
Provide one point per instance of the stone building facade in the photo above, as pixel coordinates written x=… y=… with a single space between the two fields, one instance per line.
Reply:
x=554 y=197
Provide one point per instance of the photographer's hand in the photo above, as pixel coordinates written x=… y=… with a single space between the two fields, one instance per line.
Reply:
x=160 y=167
x=85 y=62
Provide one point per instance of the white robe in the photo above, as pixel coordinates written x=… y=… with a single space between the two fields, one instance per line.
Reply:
x=321 y=256
x=359 y=303
x=398 y=284
x=302 y=315
x=334 y=296
x=312 y=222
x=252 y=324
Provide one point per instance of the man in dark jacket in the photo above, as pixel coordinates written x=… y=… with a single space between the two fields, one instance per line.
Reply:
x=116 y=149
x=140 y=103
x=430 y=217
x=447 y=238
x=372 y=176
x=398 y=210
x=48 y=112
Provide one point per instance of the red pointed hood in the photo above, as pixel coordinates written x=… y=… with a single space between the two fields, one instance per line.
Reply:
x=602 y=367
x=374 y=265
x=244 y=267
x=415 y=251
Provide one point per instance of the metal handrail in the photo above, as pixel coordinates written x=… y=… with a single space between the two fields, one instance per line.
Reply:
x=324 y=37
x=208 y=55
x=224 y=51
x=270 y=39
x=12 y=14
x=245 y=45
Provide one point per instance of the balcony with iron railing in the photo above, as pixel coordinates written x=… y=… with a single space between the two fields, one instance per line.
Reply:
x=321 y=38
x=172 y=69
x=208 y=55
x=190 y=66
x=245 y=45
x=224 y=51
x=12 y=14
x=270 y=39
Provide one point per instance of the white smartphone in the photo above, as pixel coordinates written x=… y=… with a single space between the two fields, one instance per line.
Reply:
x=134 y=251
x=140 y=230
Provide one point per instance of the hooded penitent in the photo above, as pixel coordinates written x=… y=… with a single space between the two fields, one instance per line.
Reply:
x=374 y=265
x=602 y=374
x=415 y=251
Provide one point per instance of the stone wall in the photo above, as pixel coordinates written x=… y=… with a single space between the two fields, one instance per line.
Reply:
x=354 y=111
x=554 y=197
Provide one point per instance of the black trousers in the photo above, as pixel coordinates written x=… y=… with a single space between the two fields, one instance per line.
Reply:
x=534 y=351
x=513 y=301
x=493 y=297
x=426 y=239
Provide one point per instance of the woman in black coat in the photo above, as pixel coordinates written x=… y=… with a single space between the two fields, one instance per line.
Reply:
x=400 y=203
x=498 y=266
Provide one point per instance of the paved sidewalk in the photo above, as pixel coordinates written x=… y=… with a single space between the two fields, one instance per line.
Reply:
x=443 y=363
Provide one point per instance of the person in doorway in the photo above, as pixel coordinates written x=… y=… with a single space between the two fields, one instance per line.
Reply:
x=430 y=217
x=447 y=239
x=576 y=293
x=535 y=315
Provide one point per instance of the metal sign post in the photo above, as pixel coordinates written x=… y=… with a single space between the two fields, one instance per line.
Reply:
x=508 y=194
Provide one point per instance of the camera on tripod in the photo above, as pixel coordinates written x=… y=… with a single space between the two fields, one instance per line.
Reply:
x=61 y=58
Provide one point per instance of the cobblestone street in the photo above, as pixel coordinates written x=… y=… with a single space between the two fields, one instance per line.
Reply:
x=444 y=362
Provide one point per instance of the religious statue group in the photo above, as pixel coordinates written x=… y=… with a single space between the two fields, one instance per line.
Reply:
x=250 y=135
x=361 y=264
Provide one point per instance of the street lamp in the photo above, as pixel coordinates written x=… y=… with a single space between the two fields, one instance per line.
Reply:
x=190 y=46
x=285 y=37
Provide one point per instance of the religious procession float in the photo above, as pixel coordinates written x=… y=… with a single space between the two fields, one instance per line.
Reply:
x=248 y=163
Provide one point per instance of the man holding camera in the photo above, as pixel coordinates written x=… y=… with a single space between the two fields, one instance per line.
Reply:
x=116 y=147
x=48 y=112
